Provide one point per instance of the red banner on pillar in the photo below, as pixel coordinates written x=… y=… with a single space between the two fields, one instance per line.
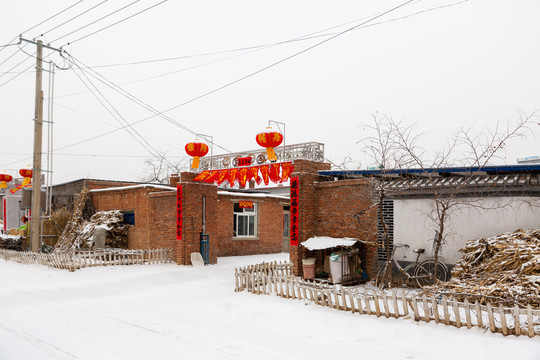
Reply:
x=179 y=212
x=295 y=194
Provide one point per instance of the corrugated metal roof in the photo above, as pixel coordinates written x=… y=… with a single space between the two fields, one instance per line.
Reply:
x=493 y=169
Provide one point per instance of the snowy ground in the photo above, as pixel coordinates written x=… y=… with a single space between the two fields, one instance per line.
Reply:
x=181 y=312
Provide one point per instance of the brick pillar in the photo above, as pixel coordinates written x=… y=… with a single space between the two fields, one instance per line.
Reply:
x=192 y=218
x=174 y=179
x=306 y=171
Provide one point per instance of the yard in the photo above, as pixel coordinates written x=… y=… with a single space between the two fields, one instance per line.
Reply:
x=171 y=312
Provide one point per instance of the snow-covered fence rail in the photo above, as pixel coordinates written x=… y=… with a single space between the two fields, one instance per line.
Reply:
x=274 y=278
x=73 y=260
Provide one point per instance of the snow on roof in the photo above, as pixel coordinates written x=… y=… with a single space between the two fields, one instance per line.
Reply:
x=164 y=187
x=252 y=195
x=326 y=242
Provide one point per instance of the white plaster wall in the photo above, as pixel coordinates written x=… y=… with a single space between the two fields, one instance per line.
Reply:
x=413 y=226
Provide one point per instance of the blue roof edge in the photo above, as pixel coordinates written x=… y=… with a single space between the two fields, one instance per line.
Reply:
x=490 y=168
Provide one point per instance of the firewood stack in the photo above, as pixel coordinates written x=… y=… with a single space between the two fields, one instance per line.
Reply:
x=117 y=229
x=78 y=233
x=505 y=266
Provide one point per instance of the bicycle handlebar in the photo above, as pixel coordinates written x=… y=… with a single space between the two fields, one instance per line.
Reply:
x=401 y=245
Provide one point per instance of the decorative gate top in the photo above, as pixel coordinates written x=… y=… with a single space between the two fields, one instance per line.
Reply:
x=312 y=151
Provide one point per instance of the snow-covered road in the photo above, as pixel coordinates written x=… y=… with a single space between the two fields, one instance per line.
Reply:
x=181 y=312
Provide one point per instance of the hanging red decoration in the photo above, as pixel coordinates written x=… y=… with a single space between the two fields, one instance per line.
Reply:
x=254 y=171
x=274 y=173
x=232 y=176
x=269 y=139
x=202 y=176
x=286 y=170
x=223 y=175
x=4 y=179
x=197 y=150
x=264 y=173
x=212 y=177
x=243 y=175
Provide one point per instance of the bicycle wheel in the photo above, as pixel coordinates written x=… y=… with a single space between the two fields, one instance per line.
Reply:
x=383 y=277
x=425 y=270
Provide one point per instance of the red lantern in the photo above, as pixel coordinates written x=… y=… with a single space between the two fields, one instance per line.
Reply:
x=197 y=150
x=4 y=179
x=27 y=175
x=269 y=139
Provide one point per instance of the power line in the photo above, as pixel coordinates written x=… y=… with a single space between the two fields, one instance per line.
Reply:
x=95 y=21
x=138 y=101
x=73 y=18
x=109 y=124
x=44 y=21
x=253 y=48
x=244 y=77
x=129 y=128
x=116 y=23
x=310 y=36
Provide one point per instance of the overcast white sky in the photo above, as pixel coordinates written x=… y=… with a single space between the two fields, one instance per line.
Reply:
x=472 y=63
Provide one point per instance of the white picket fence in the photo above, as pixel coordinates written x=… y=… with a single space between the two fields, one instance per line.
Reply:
x=275 y=278
x=74 y=260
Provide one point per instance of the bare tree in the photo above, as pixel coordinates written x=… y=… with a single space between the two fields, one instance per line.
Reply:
x=386 y=156
x=157 y=170
x=476 y=150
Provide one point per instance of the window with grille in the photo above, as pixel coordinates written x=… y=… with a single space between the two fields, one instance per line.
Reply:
x=388 y=218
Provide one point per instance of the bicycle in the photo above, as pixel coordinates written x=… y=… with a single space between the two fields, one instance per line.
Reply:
x=421 y=272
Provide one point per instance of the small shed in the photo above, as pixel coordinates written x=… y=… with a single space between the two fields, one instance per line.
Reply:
x=334 y=260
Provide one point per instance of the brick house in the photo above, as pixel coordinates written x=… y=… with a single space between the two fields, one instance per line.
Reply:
x=153 y=210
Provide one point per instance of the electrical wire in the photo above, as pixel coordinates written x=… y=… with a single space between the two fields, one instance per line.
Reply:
x=253 y=48
x=109 y=124
x=95 y=21
x=256 y=72
x=116 y=23
x=138 y=101
x=118 y=117
x=44 y=21
x=310 y=36
x=73 y=18
x=246 y=76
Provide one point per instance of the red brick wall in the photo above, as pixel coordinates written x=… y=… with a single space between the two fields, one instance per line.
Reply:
x=163 y=221
x=135 y=200
x=327 y=208
x=269 y=237
x=192 y=223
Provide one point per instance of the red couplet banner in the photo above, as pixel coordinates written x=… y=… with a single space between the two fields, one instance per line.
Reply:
x=295 y=186
x=179 y=212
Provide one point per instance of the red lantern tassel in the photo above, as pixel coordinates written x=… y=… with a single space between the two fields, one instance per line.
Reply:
x=195 y=163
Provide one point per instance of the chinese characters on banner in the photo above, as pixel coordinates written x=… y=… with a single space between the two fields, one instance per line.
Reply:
x=245 y=204
x=294 y=210
x=179 y=212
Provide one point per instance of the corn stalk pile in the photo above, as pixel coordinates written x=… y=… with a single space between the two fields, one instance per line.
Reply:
x=71 y=231
x=505 y=266
x=80 y=233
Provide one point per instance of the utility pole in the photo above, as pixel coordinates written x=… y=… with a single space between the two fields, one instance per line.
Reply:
x=36 y=167
x=35 y=227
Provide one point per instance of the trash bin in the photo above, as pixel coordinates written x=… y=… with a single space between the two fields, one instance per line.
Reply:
x=308 y=265
x=339 y=266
